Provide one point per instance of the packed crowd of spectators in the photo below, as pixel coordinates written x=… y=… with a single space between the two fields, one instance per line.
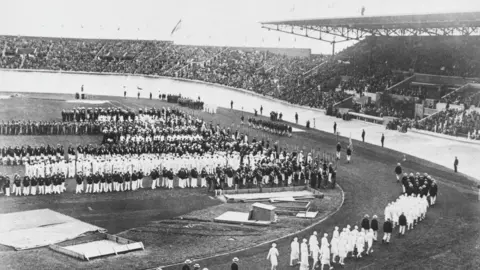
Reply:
x=372 y=65
x=409 y=92
x=453 y=122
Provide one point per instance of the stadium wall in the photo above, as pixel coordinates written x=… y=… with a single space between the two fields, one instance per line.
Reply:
x=438 y=79
x=290 y=52
x=448 y=137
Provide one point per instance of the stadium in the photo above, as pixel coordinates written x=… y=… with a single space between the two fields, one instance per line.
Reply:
x=148 y=154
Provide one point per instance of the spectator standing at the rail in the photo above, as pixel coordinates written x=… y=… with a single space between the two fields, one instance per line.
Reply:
x=334 y=127
x=261 y=110
x=138 y=95
x=150 y=95
x=231 y=104
x=363 y=135
x=124 y=92
x=296 y=118
x=234 y=265
x=398 y=171
x=382 y=140
x=387 y=231
x=273 y=256
x=455 y=164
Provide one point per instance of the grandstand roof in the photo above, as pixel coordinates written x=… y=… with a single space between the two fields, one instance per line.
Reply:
x=354 y=28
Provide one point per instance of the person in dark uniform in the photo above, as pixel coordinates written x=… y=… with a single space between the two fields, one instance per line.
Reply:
x=26 y=186
x=339 y=148
x=398 y=171
x=363 y=135
x=455 y=164
x=17 y=185
x=7 y=186
x=231 y=105
x=33 y=185
x=374 y=227
x=234 y=265
x=366 y=223
x=187 y=264
x=261 y=110
x=433 y=193
x=402 y=221
x=387 y=231
x=334 y=127
x=349 y=154
x=296 y=118
x=150 y=95
x=382 y=140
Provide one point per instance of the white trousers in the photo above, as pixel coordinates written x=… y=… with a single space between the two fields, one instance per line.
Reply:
x=26 y=191
x=154 y=183
x=7 y=191
x=170 y=183
x=386 y=237
x=402 y=230
x=348 y=158
x=33 y=190
x=203 y=182
x=194 y=182
x=89 y=188
x=41 y=190
x=79 y=188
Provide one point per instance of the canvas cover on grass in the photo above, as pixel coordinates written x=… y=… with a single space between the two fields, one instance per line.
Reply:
x=38 y=228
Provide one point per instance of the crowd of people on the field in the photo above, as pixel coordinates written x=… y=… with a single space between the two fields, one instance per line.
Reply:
x=23 y=127
x=279 y=128
x=462 y=123
x=163 y=143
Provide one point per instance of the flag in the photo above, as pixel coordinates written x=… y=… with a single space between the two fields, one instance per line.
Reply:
x=350 y=142
x=177 y=27
x=139 y=88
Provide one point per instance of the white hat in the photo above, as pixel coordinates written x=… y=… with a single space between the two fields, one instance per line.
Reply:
x=314 y=233
x=188 y=261
x=235 y=259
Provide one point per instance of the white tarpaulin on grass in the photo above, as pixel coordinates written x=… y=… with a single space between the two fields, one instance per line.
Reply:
x=38 y=228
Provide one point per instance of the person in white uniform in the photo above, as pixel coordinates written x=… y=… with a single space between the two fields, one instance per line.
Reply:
x=273 y=256
x=304 y=255
x=294 y=251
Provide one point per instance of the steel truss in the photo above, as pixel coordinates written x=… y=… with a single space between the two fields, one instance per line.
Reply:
x=332 y=34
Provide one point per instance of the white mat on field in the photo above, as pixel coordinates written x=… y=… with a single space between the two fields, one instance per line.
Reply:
x=38 y=228
x=271 y=195
x=87 y=101
x=297 y=130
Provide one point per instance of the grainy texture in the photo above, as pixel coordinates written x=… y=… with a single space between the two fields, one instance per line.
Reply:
x=447 y=239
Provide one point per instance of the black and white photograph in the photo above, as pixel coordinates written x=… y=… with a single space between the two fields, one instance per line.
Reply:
x=239 y=135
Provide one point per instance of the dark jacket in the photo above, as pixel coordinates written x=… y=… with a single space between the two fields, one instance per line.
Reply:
x=374 y=224
x=234 y=266
x=366 y=224
x=402 y=220
x=398 y=170
x=387 y=227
